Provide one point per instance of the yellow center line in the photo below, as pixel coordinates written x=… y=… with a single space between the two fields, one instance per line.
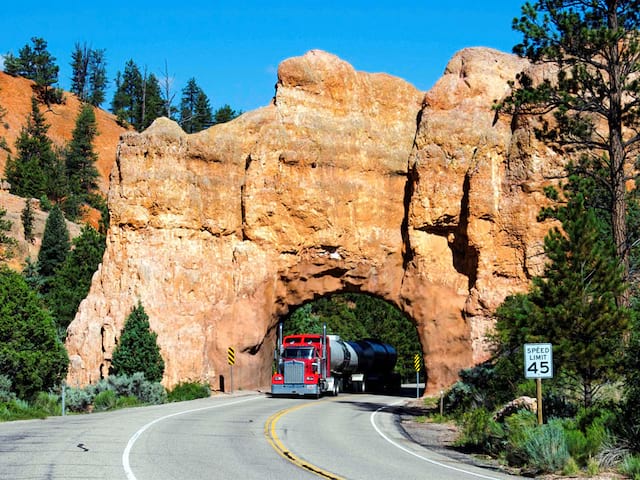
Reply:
x=278 y=446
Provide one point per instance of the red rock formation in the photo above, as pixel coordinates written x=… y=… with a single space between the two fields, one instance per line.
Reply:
x=347 y=181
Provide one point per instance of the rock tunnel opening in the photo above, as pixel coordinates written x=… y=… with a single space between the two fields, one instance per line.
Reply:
x=359 y=316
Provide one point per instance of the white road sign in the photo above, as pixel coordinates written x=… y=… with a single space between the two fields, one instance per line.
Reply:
x=538 y=360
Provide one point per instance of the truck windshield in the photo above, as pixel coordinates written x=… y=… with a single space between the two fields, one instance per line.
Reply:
x=298 y=352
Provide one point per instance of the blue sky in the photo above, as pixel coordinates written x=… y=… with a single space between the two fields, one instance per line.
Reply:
x=233 y=49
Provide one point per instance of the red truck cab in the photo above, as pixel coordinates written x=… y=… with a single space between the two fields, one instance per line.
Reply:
x=302 y=366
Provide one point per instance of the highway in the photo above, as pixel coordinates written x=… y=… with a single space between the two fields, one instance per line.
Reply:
x=246 y=436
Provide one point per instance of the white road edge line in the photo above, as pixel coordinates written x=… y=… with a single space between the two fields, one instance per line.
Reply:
x=135 y=436
x=434 y=462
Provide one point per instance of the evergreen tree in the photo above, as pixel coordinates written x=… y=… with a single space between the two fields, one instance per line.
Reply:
x=138 y=100
x=97 y=77
x=57 y=180
x=137 y=349
x=595 y=97
x=27 y=221
x=30 y=352
x=80 y=71
x=573 y=304
x=80 y=157
x=89 y=76
x=152 y=101
x=30 y=173
x=32 y=277
x=37 y=64
x=127 y=99
x=195 y=110
x=72 y=280
x=225 y=114
x=55 y=246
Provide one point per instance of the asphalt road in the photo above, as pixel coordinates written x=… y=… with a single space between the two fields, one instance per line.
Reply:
x=249 y=436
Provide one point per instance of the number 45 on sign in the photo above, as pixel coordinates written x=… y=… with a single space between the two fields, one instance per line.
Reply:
x=538 y=360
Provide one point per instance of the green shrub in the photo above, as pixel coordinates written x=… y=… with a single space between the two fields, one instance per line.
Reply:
x=517 y=428
x=78 y=399
x=546 y=447
x=132 y=386
x=631 y=467
x=48 y=403
x=152 y=393
x=480 y=431
x=19 y=410
x=105 y=400
x=587 y=434
x=570 y=468
x=124 y=391
x=6 y=395
x=593 y=468
x=127 y=401
x=189 y=391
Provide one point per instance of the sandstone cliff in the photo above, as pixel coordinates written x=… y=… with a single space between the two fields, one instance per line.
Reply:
x=347 y=181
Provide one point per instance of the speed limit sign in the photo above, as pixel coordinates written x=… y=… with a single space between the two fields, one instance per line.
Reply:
x=538 y=360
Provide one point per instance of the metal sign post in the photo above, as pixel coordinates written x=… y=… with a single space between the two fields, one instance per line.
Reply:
x=538 y=364
x=417 y=363
x=231 y=360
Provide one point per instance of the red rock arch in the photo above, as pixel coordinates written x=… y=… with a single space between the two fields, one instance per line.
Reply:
x=346 y=181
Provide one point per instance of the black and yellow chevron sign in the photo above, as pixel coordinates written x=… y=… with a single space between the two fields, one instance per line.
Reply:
x=417 y=362
x=231 y=356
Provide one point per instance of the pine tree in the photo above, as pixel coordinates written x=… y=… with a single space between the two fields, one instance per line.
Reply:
x=153 y=103
x=188 y=105
x=30 y=352
x=37 y=64
x=72 y=279
x=80 y=157
x=55 y=246
x=225 y=114
x=595 y=96
x=195 y=110
x=127 y=99
x=97 y=77
x=80 y=71
x=88 y=77
x=27 y=221
x=30 y=173
x=137 y=349
x=573 y=304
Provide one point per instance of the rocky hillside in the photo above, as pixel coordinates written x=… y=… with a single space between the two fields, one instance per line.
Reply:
x=15 y=98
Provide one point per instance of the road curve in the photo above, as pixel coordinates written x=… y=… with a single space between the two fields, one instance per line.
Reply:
x=358 y=437
x=348 y=437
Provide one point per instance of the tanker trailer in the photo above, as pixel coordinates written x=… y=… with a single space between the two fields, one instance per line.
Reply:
x=313 y=364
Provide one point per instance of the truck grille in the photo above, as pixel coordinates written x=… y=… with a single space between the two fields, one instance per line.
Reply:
x=293 y=372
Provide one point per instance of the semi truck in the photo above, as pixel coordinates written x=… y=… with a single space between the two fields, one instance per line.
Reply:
x=308 y=364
